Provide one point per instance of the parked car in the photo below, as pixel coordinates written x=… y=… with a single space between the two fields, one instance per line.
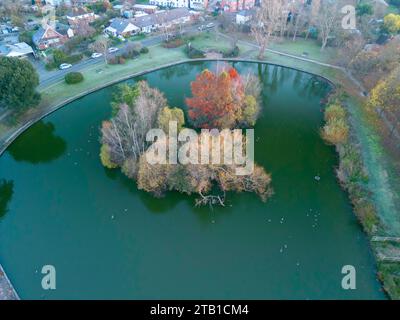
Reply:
x=210 y=25
x=64 y=66
x=112 y=49
x=96 y=55
x=121 y=38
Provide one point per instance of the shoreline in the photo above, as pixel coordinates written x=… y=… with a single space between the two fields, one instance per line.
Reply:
x=22 y=128
x=49 y=110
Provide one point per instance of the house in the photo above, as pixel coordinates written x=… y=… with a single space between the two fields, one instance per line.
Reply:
x=244 y=16
x=121 y=27
x=47 y=37
x=198 y=4
x=80 y=13
x=166 y=18
x=149 y=9
x=65 y=30
x=54 y=3
x=237 y=5
x=20 y=50
x=192 y=4
x=170 y=3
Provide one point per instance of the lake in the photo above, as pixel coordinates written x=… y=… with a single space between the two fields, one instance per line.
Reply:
x=108 y=240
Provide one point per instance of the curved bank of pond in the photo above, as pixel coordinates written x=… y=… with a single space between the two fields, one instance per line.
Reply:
x=106 y=239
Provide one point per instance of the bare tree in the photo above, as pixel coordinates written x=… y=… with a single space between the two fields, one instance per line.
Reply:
x=163 y=25
x=82 y=28
x=267 y=19
x=327 y=20
x=298 y=18
x=125 y=133
x=101 y=46
x=313 y=15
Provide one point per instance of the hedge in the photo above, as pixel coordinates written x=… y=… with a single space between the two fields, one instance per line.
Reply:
x=73 y=77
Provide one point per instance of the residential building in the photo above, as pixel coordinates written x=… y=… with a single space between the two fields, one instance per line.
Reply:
x=47 y=37
x=80 y=13
x=121 y=27
x=166 y=18
x=237 y=5
x=54 y=3
x=149 y=9
x=198 y=4
x=192 y=4
x=19 y=50
x=244 y=16
x=170 y=3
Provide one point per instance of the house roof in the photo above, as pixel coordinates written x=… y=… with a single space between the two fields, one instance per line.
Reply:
x=16 y=50
x=160 y=17
x=38 y=35
x=41 y=33
x=145 y=6
x=120 y=24
x=78 y=11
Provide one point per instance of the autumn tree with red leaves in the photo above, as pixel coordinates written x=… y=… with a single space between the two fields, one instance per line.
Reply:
x=218 y=100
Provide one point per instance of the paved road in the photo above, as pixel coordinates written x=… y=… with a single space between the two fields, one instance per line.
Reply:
x=49 y=77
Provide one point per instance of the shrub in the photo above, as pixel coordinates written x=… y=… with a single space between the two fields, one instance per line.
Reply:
x=60 y=57
x=74 y=58
x=335 y=131
x=73 y=77
x=131 y=54
x=144 y=50
x=194 y=53
x=250 y=111
x=334 y=111
x=232 y=53
x=116 y=60
x=105 y=157
x=174 y=43
x=50 y=66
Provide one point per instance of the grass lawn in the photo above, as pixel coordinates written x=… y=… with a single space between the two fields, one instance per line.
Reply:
x=101 y=75
x=300 y=46
x=209 y=41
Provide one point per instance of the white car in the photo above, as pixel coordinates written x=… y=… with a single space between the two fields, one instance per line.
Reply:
x=64 y=66
x=210 y=25
x=112 y=49
x=96 y=55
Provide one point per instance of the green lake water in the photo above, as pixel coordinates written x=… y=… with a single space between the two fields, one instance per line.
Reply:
x=106 y=239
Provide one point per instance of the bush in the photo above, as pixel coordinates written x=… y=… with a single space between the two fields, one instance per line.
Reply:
x=335 y=131
x=194 y=53
x=60 y=57
x=106 y=158
x=334 y=111
x=232 y=54
x=144 y=50
x=73 y=77
x=173 y=43
x=50 y=66
x=74 y=58
x=116 y=60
